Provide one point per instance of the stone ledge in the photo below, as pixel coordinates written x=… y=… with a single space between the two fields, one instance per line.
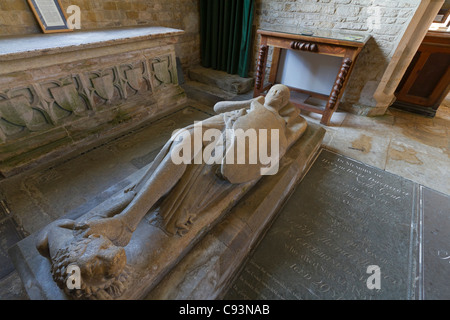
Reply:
x=228 y=82
x=36 y=45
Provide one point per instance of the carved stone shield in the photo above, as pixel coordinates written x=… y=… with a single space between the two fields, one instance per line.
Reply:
x=134 y=78
x=18 y=113
x=104 y=86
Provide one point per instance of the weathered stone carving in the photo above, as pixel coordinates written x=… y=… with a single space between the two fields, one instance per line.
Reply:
x=260 y=68
x=43 y=105
x=73 y=96
x=181 y=199
x=15 y=114
x=22 y=109
x=65 y=97
x=104 y=83
x=341 y=78
x=103 y=265
x=135 y=77
x=162 y=70
x=304 y=46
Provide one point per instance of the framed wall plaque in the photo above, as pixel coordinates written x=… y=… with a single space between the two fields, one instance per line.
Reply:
x=50 y=15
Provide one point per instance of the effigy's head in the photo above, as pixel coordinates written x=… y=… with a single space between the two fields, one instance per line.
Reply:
x=278 y=96
x=101 y=264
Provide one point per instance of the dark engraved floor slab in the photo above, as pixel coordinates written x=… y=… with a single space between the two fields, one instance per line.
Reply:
x=435 y=250
x=343 y=218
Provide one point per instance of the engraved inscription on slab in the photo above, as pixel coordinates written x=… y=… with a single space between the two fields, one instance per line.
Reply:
x=345 y=233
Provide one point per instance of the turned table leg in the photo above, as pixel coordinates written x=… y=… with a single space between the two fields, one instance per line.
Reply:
x=337 y=90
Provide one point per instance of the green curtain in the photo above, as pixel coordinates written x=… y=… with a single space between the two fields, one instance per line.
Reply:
x=225 y=35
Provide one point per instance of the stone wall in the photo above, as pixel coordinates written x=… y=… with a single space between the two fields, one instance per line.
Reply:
x=16 y=18
x=385 y=21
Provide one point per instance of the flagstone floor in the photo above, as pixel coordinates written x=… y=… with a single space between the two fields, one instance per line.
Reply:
x=409 y=145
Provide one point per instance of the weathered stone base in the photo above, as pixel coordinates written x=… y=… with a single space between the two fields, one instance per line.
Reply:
x=200 y=264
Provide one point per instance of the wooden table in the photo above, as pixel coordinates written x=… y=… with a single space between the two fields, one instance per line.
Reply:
x=331 y=43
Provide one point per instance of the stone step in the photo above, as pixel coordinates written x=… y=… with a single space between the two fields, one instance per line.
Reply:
x=206 y=94
x=231 y=83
